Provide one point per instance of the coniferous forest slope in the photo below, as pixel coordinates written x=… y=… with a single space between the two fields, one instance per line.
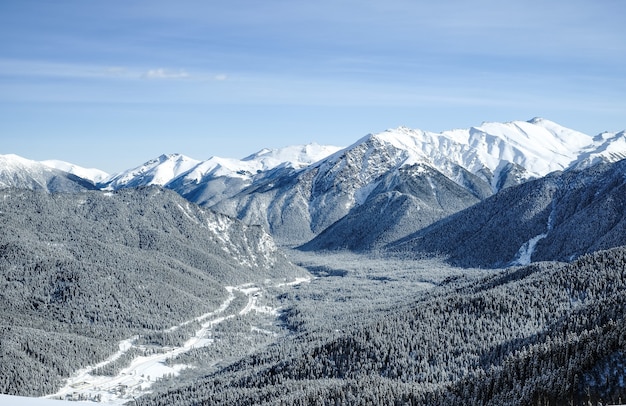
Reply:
x=545 y=334
x=80 y=272
x=555 y=218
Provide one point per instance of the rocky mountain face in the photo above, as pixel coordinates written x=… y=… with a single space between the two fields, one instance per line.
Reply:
x=352 y=185
x=555 y=218
x=403 y=202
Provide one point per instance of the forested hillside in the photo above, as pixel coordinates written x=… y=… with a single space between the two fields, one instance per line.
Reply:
x=79 y=272
x=555 y=218
x=546 y=334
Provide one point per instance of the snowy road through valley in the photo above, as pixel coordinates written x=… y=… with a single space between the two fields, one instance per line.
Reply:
x=138 y=377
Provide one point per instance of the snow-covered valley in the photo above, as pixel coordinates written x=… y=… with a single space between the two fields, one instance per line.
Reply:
x=143 y=371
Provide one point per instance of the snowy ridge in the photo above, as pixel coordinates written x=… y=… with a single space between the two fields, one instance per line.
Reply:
x=296 y=156
x=501 y=154
x=158 y=171
x=12 y=162
x=535 y=147
x=19 y=172
x=177 y=168
x=611 y=148
x=538 y=146
x=92 y=174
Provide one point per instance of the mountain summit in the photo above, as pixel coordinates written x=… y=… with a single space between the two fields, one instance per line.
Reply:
x=534 y=148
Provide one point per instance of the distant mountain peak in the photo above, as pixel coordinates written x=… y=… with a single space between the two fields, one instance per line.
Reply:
x=180 y=169
x=296 y=156
x=175 y=155
x=92 y=174
x=19 y=172
x=158 y=171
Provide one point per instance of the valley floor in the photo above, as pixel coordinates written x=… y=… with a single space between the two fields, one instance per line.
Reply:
x=344 y=289
x=379 y=330
x=144 y=371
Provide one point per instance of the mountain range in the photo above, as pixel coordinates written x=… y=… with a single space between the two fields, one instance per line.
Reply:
x=382 y=191
x=175 y=283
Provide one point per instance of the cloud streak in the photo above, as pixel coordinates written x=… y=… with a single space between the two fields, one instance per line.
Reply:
x=162 y=73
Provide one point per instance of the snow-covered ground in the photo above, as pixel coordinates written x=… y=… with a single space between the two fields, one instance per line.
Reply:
x=8 y=400
x=143 y=371
x=524 y=254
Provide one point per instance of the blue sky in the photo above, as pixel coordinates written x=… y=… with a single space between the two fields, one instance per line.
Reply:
x=111 y=84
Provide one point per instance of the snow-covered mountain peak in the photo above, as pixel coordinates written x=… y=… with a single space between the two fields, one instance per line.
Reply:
x=158 y=171
x=92 y=174
x=19 y=172
x=217 y=166
x=402 y=138
x=296 y=156
x=536 y=147
x=170 y=159
x=15 y=161
x=20 y=166
x=607 y=147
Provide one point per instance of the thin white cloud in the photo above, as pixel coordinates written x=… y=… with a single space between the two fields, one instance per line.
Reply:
x=116 y=71
x=221 y=77
x=161 y=73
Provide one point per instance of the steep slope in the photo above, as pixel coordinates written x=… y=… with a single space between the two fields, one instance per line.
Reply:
x=79 y=272
x=558 y=217
x=298 y=205
x=403 y=202
x=19 y=172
